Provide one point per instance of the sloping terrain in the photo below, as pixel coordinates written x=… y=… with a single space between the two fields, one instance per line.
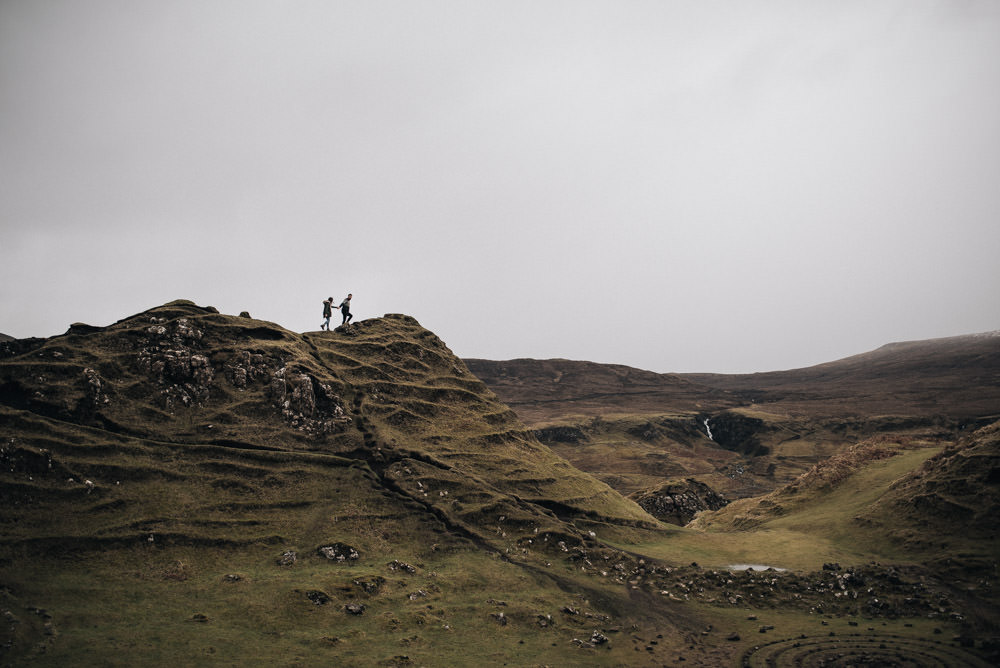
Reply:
x=956 y=377
x=188 y=485
x=190 y=488
x=954 y=494
x=748 y=434
x=385 y=394
x=545 y=391
x=910 y=501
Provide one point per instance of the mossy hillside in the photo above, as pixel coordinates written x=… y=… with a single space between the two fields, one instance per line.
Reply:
x=632 y=453
x=385 y=393
x=753 y=451
x=948 y=505
x=161 y=606
x=203 y=483
x=418 y=398
x=872 y=501
x=146 y=463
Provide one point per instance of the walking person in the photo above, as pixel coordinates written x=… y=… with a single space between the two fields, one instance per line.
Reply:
x=345 y=309
x=327 y=313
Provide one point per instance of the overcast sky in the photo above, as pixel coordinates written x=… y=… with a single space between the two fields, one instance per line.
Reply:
x=678 y=186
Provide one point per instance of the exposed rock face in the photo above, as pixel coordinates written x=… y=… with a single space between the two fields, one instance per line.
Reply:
x=173 y=359
x=738 y=433
x=246 y=368
x=306 y=403
x=677 y=503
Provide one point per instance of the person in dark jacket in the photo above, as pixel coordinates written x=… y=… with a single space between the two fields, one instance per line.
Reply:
x=327 y=313
x=345 y=309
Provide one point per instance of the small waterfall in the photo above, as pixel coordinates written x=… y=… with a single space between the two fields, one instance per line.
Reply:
x=708 y=430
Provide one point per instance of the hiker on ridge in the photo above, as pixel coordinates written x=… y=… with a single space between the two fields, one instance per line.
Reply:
x=345 y=308
x=327 y=313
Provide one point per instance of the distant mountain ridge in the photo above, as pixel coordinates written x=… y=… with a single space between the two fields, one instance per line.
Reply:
x=954 y=376
x=957 y=376
x=537 y=389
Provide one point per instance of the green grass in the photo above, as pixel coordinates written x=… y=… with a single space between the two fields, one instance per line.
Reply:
x=133 y=608
x=809 y=530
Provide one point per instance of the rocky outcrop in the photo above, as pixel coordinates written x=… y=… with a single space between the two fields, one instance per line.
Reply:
x=172 y=357
x=739 y=433
x=678 y=502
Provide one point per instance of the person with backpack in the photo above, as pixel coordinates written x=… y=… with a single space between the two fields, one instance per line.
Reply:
x=345 y=309
x=327 y=313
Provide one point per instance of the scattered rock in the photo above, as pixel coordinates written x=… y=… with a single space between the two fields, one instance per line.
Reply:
x=288 y=558
x=370 y=585
x=318 y=597
x=339 y=552
x=397 y=565
x=354 y=609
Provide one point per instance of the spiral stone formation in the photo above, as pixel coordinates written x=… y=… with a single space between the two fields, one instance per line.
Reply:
x=881 y=650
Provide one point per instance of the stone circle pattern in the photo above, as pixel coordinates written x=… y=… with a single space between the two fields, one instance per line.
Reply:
x=840 y=651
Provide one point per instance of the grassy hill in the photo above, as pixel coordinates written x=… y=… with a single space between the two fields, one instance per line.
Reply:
x=191 y=488
x=182 y=465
